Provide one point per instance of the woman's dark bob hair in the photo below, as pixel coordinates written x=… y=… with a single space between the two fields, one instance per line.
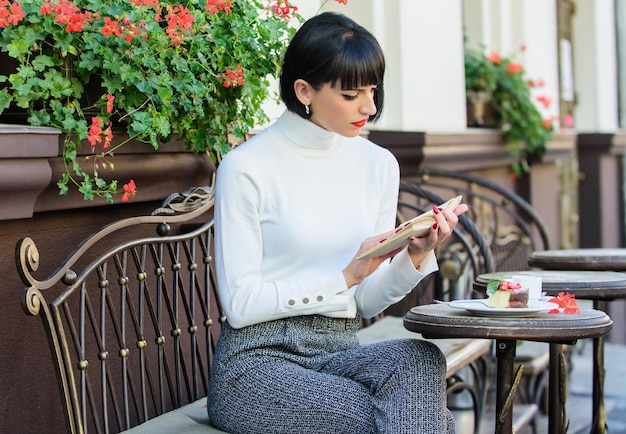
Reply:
x=331 y=47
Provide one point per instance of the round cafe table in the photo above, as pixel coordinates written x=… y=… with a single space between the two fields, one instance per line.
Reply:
x=444 y=321
x=599 y=286
x=589 y=259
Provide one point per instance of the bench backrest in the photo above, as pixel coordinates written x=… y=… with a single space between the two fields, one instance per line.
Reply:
x=132 y=330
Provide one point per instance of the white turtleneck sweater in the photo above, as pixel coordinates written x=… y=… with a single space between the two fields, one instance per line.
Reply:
x=293 y=205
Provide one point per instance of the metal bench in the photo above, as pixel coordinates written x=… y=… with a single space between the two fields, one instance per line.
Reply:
x=132 y=318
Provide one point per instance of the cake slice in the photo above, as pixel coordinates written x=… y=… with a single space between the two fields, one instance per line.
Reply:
x=506 y=294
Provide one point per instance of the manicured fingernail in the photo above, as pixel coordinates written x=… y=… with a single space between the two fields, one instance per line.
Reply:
x=435 y=209
x=435 y=225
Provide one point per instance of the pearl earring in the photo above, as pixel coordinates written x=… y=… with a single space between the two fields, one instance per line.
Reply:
x=306 y=109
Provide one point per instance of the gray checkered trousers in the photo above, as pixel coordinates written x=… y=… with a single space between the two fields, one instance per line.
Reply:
x=308 y=374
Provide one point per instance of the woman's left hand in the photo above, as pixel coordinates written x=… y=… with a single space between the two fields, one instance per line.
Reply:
x=445 y=222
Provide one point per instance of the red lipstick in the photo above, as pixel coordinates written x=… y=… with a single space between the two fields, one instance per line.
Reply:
x=360 y=124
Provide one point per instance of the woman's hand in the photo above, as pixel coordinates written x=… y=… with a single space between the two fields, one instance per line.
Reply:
x=445 y=223
x=359 y=269
x=419 y=248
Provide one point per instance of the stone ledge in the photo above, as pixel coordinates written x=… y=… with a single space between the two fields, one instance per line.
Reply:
x=474 y=149
x=22 y=141
x=30 y=167
x=21 y=183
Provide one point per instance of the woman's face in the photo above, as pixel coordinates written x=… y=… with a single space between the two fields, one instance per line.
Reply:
x=342 y=111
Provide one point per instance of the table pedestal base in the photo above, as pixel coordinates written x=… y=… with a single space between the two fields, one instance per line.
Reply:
x=505 y=385
x=600 y=423
x=557 y=385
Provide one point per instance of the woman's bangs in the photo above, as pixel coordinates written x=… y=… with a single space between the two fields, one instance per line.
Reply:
x=360 y=69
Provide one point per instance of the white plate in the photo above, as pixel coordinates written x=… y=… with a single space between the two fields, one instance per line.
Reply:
x=479 y=307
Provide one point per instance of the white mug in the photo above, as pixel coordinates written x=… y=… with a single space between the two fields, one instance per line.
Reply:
x=533 y=283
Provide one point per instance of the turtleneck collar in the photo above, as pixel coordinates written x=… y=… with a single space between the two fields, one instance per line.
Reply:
x=305 y=133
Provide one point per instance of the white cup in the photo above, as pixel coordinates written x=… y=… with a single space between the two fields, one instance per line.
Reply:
x=533 y=283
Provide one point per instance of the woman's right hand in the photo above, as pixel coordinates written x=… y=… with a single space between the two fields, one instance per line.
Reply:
x=358 y=269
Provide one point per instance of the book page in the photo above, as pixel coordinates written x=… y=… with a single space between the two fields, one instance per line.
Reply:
x=416 y=227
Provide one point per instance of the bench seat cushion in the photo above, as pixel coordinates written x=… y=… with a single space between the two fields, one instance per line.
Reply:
x=189 y=419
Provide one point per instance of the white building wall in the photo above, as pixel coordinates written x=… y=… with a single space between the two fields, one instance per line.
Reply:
x=595 y=66
x=431 y=85
x=423 y=44
x=538 y=32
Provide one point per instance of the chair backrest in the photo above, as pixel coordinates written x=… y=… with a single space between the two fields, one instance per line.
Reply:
x=510 y=224
x=132 y=326
x=464 y=255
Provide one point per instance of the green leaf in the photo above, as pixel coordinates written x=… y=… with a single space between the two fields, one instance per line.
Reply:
x=62 y=184
x=100 y=183
x=86 y=188
x=5 y=100
x=493 y=284
x=17 y=48
x=41 y=62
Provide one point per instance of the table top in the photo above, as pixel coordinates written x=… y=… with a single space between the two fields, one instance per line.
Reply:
x=600 y=259
x=443 y=321
x=590 y=285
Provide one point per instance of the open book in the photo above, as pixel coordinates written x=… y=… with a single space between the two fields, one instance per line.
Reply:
x=416 y=227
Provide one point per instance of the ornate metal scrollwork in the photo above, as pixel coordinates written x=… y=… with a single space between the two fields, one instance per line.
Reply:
x=31 y=301
x=27 y=258
x=189 y=200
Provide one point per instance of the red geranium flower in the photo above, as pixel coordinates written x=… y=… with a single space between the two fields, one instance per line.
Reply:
x=495 y=58
x=514 y=68
x=130 y=190
x=566 y=301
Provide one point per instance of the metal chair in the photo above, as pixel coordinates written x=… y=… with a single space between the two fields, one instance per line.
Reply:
x=510 y=224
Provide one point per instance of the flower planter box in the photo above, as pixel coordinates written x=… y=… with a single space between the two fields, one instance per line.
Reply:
x=30 y=166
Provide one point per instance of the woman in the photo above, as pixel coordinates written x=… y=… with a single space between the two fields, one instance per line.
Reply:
x=295 y=206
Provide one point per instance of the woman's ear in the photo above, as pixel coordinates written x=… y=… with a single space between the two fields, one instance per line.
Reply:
x=303 y=91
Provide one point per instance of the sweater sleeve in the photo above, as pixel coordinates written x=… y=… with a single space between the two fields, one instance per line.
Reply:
x=390 y=284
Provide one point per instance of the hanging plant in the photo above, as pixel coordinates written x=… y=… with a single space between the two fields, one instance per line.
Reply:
x=199 y=69
x=524 y=129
